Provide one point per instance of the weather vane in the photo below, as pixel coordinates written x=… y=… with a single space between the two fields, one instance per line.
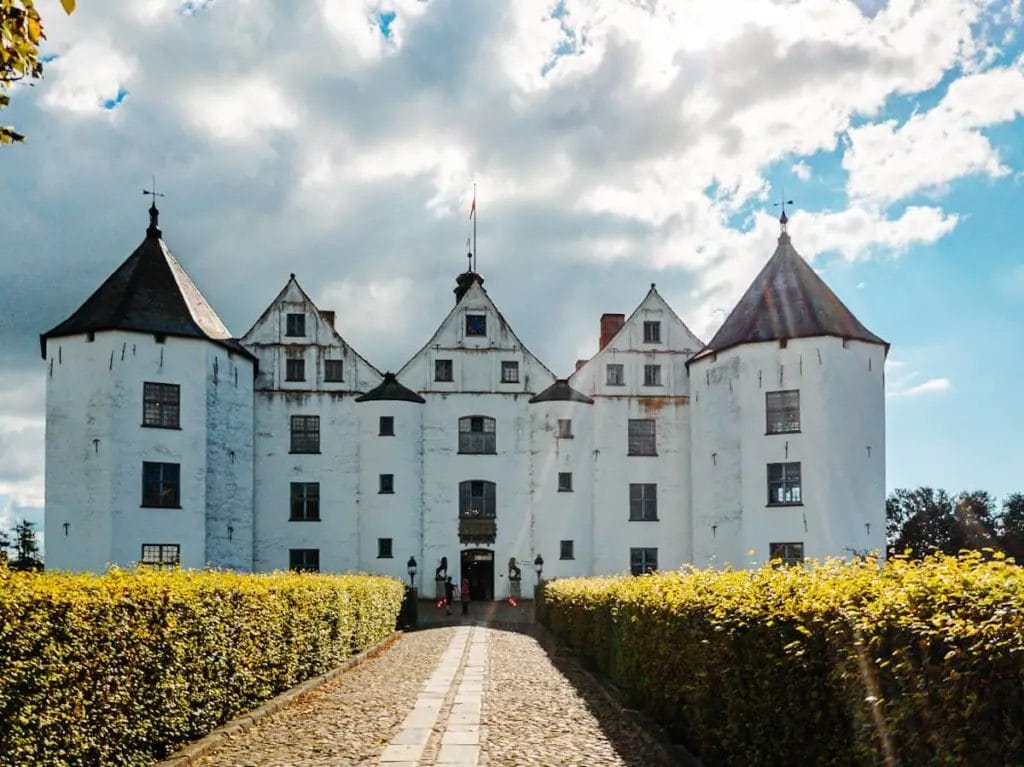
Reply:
x=782 y=203
x=154 y=230
x=154 y=193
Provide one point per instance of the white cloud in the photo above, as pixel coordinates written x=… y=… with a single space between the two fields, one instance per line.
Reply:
x=931 y=386
x=238 y=110
x=87 y=76
x=802 y=171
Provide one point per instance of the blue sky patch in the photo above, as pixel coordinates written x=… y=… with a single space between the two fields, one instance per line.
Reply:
x=115 y=102
x=384 y=22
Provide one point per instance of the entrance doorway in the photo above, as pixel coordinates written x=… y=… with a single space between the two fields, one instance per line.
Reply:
x=478 y=569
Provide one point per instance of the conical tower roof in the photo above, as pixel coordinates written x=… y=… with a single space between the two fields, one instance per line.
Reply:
x=149 y=293
x=787 y=300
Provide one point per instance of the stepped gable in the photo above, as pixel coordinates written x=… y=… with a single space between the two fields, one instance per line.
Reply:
x=390 y=389
x=561 y=391
x=787 y=300
x=149 y=293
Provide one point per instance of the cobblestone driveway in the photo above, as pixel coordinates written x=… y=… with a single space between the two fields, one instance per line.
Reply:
x=468 y=695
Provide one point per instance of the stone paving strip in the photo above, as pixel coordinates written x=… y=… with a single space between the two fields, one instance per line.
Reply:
x=443 y=727
x=537 y=715
x=349 y=720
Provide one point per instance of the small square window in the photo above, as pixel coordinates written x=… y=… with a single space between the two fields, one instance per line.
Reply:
x=305 y=434
x=305 y=502
x=565 y=428
x=652 y=332
x=784 y=484
x=643 y=502
x=642 y=561
x=387 y=426
x=304 y=560
x=161 y=554
x=789 y=553
x=161 y=485
x=295 y=370
x=652 y=375
x=565 y=550
x=783 y=411
x=334 y=370
x=510 y=372
x=384 y=548
x=616 y=375
x=443 y=370
x=296 y=325
x=476 y=324
x=161 y=404
x=565 y=481
x=387 y=484
x=641 y=439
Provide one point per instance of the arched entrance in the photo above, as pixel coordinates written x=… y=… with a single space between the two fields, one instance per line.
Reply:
x=478 y=569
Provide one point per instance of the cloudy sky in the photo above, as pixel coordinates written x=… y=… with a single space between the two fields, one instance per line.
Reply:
x=613 y=143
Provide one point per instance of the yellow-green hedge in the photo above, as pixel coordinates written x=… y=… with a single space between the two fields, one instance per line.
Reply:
x=838 y=664
x=122 y=668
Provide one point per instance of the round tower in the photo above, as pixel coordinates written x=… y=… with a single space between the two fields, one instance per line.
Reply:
x=788 y=456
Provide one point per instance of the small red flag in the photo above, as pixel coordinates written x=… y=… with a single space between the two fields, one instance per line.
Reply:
x=472 y=208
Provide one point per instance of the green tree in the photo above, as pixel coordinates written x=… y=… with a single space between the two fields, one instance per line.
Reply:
x=5 y=544
x=926 y=519
x=26 y=545
x=21 y=31
x=1011 y=526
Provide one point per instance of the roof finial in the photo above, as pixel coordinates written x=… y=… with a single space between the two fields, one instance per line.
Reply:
x=154 y=214
x=783 y=219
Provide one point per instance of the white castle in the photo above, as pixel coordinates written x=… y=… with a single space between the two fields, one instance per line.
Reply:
x=170 y=441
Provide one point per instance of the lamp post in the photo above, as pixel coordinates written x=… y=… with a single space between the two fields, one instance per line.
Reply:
x=538 y=565
x=411 y=567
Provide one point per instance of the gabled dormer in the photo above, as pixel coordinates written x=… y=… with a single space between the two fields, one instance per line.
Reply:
x=300 y=349
x=475 y=350
x=644 y=355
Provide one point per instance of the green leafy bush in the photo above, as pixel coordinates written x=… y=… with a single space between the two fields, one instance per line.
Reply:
x=122 y=668
x=912 y=662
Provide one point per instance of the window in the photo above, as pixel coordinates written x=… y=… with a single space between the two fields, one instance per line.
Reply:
x=476 y=434
x=643 y=502
x=387 y=484
x=616 y=375
x=652 y=375
x=384 y=548
x=161 y=405
x=387 y=426
x=295 y=370
x=641 y=437
x=476 y=499
x=296 y=325
x=307 y=560
x=161 y=485
x=565 y=428
x=334 y=370
x=643 y=561
x=305 y=502
x=161 y=554
x=565 y=550
x=510 y=372
x=783 y=411
x=783 y=484
x=565 y=481
x=305 y=434
x=476 y=324
x=652 y=332
x=442 y=370
x=789 y=553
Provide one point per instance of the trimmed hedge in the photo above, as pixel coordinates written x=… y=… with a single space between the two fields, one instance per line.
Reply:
x=913 y=662
x=123 y=668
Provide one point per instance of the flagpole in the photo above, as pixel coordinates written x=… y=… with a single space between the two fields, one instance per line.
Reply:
x=474 y=227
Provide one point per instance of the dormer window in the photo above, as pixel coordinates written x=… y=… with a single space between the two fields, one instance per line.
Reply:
x=652 y=332
x=296 y=325
x=476 y=324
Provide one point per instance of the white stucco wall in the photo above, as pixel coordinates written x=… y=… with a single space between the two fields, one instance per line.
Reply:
x=841 y=449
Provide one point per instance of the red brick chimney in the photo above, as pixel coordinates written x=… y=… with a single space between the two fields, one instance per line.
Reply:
x=328 y=316
x=610 y=325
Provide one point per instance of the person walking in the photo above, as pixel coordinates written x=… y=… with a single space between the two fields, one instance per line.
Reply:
x=465 y=597
x=449 y=595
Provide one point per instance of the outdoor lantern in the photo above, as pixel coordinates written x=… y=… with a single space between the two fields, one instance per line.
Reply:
x=538 y=565
x=411 y=565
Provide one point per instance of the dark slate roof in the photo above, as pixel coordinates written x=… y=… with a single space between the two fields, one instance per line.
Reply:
x=390 y=389
x=149 y=293
x=787 y=300
x=560 y=391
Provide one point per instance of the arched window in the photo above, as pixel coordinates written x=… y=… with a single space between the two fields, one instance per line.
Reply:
x=476 y=434
x=477 y=499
